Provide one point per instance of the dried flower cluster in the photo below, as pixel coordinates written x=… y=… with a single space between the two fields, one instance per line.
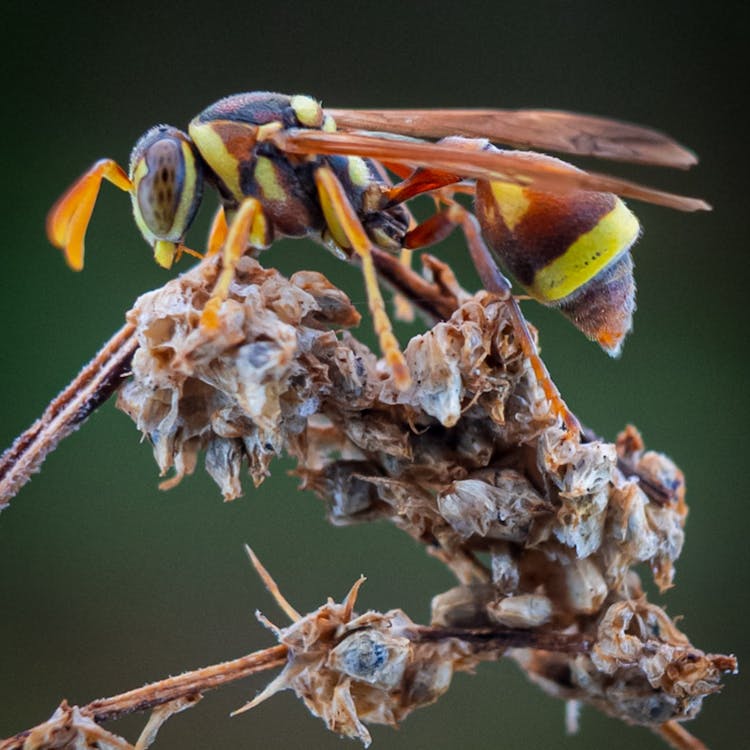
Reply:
x=350 y=669
x=69 y=727
x=541 y=528
x=73 y=728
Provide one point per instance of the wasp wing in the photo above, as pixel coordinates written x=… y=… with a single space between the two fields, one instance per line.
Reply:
x=546 y=130
x=466 y=160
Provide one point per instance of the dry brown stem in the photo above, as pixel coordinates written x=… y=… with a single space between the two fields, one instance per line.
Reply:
x=69 y=723
x=93 y=385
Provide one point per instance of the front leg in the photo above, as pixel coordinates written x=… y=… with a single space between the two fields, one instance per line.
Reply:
x=249 y=227
x=69 y=217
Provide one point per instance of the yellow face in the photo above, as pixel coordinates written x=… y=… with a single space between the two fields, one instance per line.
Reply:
x=167 y=189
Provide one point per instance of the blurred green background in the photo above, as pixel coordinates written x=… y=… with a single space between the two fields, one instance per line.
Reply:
x=108 y=583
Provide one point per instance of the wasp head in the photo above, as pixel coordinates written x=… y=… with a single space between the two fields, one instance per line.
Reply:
x=167 y=182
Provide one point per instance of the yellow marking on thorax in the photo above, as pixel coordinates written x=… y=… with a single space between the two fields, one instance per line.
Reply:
x=267 y=131
x=511 y=201
x=615 y=232
x=259 y=231
x=308 y=111
x=214 y=151
x=268 y=179
x=359 y=174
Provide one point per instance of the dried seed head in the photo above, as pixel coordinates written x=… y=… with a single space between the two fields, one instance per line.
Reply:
x=354 y=669
x=642 y=669
x=524 y=611
x=69 y=728
x=373 y=657
x=469 y=461
x=499 y=505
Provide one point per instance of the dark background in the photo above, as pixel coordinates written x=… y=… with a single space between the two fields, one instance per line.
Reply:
x=106 y=583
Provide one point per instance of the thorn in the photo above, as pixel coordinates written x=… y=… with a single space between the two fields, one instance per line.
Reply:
x=266 y=623
x=272 y=587
x=273 y=687
x=351 y=597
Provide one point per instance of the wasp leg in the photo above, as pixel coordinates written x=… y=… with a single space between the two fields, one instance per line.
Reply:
x=402 y=171
x=439 y=226
x=415 y=183
x=69 y=217
x=402 y=308
x=217 y=235
x=249 y=226
x=342 y=219
x=188 y=251
x=419 y=182
x=431 y=231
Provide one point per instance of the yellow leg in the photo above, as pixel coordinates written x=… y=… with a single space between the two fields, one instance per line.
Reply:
x=249 y=226
x=436 y=228
x=494 y=281
x=340 y=213
x=217 y=235
x=69 y=217
x=185 y=249
x=402 y=308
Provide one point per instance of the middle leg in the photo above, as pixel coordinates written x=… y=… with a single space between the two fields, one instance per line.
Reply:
x=342 y=219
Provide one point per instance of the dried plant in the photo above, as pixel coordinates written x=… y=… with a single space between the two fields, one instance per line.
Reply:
x=540 y=525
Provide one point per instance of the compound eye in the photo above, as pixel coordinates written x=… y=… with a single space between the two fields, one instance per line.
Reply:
x=167 y=182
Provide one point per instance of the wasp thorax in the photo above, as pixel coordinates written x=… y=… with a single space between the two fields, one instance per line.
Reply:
x=167 y=185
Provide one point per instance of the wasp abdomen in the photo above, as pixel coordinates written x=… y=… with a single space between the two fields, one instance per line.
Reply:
x=603 y=309
x=568 y=250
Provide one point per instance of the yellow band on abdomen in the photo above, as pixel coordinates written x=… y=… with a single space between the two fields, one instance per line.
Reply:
x=614 y=233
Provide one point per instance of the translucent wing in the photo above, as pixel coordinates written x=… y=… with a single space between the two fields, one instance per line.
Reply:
x=546 y=130
x=465 y=160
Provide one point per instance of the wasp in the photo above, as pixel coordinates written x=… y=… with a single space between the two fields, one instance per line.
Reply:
x=284 y=166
